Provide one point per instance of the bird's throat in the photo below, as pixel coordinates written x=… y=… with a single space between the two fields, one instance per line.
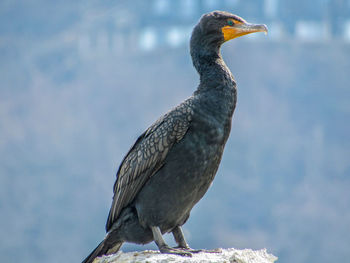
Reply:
x=213 y=71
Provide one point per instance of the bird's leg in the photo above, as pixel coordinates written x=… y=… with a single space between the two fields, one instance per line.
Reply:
x=182 y=244
x=180 y=238
x=163 y=247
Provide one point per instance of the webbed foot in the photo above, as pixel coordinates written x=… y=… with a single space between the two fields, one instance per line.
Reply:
x=177 y=251
x=191 y=250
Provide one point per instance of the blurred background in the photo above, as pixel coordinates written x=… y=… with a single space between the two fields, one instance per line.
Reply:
x=80 y=80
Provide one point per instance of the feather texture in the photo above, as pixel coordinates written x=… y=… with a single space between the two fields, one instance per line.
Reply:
x=147 y=156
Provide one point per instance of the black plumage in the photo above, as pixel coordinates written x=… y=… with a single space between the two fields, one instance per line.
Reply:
x=172 y=164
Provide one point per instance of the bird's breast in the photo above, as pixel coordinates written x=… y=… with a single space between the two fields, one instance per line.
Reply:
x=212 y=126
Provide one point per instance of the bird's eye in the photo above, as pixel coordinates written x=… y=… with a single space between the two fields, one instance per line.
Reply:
x=230 y=22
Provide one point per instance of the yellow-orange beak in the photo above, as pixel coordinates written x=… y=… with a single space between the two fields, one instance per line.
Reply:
x=241 y=29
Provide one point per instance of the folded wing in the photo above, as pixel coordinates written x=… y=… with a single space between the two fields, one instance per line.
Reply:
x=147 y=156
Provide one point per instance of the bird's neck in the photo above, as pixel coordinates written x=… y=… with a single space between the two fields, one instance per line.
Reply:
x=212 y=69
x=216 y=84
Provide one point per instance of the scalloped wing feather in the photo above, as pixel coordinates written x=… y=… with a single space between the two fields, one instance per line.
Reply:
x=147 y=156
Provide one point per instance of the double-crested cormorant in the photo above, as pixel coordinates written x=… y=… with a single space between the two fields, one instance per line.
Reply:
x=172 y=164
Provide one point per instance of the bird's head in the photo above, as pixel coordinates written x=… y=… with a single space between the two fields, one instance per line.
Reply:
x=217 y=27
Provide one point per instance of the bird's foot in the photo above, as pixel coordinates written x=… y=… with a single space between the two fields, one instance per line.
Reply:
x=216 y=250
x=188 y=249
x=176 y=251
x=191 y=250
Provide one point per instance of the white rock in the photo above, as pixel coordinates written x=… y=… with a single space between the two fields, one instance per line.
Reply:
x=229 y=255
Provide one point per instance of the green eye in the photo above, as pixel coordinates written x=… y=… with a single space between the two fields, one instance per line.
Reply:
x=230 y=22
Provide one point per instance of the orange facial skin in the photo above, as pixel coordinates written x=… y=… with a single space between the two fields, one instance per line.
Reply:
x=241 y=28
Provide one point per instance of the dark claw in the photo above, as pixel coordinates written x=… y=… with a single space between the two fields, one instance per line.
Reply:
x=176 y=251
x=216 y=250
x=191 y=250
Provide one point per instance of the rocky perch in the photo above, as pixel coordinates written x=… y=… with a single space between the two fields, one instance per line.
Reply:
x=229 y=255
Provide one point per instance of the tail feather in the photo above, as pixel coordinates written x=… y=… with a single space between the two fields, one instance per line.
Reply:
x=104 y=248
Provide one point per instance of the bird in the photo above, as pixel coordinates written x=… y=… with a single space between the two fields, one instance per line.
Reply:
x=173 y=163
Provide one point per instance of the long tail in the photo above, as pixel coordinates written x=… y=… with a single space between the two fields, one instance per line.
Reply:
x=104 y=248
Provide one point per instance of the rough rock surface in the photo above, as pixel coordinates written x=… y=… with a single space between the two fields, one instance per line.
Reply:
x=229 y=255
